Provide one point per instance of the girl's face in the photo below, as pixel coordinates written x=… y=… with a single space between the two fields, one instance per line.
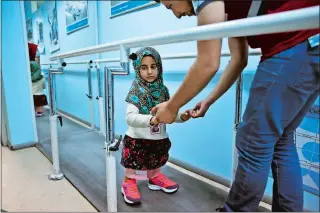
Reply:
x=148 y=70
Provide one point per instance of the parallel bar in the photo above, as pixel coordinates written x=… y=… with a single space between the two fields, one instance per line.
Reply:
x=107 y=60
x=301 y=19
x=79 y=62
x=224 y=53
x=90 y=96
x=57 y=72
x=52 y=63
x=68 y=62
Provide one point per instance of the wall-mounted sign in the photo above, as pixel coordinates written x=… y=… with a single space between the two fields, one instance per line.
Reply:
x=76 y=15
x=122 y=7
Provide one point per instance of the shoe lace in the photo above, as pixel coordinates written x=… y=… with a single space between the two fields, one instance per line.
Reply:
x=163 y=179
x=132 y=186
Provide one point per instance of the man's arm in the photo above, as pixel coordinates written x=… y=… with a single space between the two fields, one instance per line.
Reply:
x=208 y=58
x=239 y=58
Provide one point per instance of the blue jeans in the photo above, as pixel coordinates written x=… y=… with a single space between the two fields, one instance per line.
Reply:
x=283 y=90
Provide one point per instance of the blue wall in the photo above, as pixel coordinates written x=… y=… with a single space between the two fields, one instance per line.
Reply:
x=16 y=75
x=215 y=135
x=27 y=9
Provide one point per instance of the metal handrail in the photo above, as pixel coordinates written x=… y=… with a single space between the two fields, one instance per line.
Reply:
x=302 y=19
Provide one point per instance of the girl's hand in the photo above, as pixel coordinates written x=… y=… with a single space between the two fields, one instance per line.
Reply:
x=185 y=116
x=154 y=121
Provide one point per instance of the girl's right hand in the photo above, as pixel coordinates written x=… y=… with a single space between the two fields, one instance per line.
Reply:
x=185 y=116
x=154 y=121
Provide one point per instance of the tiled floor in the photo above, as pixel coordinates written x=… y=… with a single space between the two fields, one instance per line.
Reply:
x=25 y=185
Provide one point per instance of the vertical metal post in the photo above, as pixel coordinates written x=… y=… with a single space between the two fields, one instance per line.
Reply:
x=111 y=144
x=111 y=106
x=56 y=174
x=237 y=120
x=51 y=92
x=99 y=80
x=90 y=96
x=100 y=101
x=109 y=138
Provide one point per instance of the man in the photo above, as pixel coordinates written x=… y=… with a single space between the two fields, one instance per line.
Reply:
x=285 y=86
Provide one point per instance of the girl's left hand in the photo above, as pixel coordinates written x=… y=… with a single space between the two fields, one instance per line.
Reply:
x=185 y=116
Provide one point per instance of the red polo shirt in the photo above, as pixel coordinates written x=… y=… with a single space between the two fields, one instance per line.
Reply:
x=270 y=44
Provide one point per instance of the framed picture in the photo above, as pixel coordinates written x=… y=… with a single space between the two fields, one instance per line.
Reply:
x=29 y=30
x=122 y=7
x=39 y=39
x=76 y=13
x=53 y=28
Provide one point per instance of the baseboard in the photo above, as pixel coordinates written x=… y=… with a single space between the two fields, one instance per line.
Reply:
x=22 y=146
x=75 y=118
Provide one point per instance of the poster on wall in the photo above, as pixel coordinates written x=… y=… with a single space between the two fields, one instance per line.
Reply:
x=308 y=145
x=76 y=15
x=307 y=140
x=53 y=28
x=39 y=40
x=121 y=7
x=29 y=30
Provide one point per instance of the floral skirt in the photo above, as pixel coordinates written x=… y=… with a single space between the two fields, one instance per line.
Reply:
x=144 y=154
x=40 y=100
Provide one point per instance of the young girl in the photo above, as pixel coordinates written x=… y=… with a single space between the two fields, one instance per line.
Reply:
x=146 y=144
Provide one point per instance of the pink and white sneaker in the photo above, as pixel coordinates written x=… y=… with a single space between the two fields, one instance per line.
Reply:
x=39 y=114
x=161 y=182
x=130 y=191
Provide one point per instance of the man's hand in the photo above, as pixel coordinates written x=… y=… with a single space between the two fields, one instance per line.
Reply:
x=165 y=113
x=200 y=109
